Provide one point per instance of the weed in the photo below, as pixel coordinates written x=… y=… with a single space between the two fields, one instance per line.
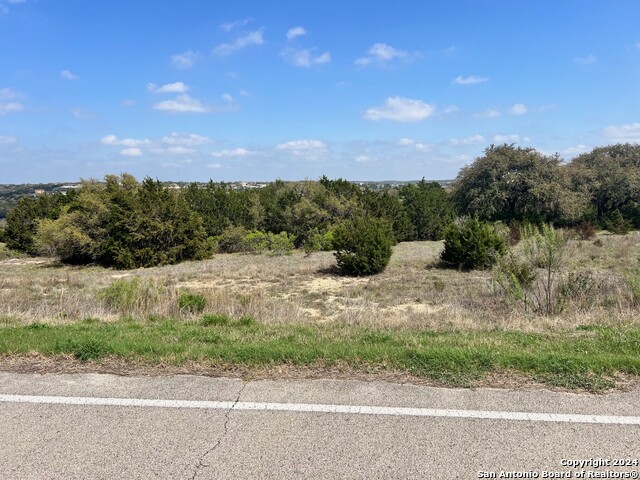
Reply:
x=191 y=303
x=216 y=320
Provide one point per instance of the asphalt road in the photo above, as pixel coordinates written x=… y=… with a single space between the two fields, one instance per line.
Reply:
x=96 y=427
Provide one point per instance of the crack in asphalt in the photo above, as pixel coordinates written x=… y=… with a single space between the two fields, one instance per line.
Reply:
x=200 y=462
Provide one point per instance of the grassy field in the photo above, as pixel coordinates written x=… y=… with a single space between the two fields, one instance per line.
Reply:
x=258 y=310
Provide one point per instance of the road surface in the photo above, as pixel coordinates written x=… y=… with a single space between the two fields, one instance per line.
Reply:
x=96 y=426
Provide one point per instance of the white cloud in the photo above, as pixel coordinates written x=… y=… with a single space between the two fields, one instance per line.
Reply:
x=363 y=159
x=451 y=109
x=174 y=150
x=488 y=113
x=176 y=87
x=575 y=150
x=227 y=27
x=627 y=133
x=510 y=138
x=227 y=98
x=236 y=153
x=472 y=140
x=7 y=139
x=131 y=152
x=66 y=74
x=295 y=32
x=401 y=109
x=184 y=60
x=406 y=141
x=470 y=80
x=214 y=166
x=252 y=38
x=302 y=145
x=185 y=139
x=244 y=93
x=307 y=149
x=16 y=2
x=302 y=57
x=518 y=109
x=381 y=53
x=422 y=146
x=181 y=104
x=589 y=59
x=125 y=142
x=9 y=101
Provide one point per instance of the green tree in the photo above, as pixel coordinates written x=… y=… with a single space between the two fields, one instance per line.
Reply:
x=363 y=245
x=428 y=208
x=471 y=244
x=515 y=183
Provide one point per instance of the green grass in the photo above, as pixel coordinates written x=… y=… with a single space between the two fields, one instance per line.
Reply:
x=587 y=358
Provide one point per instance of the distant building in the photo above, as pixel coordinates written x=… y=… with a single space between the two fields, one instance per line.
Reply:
x=39 y=191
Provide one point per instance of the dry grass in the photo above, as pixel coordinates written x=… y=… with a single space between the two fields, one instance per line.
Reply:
x=414 y=291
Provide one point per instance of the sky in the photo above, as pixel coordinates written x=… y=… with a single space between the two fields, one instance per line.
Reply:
x=259 y=90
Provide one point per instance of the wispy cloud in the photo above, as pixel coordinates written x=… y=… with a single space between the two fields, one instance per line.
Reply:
x=7 y=139
x=176 y=87
x=185 y=60
x=302 y=57
x=381 y=54
x=125 y=142
x=253 y=38
x=67 y=75
x=185 y=139
x=518 y=109
x=82 y=114
x=235 y=153
x=181 y=104
x=228 y=26
x=472 y=140
x=488 y=113
x=470 y=80
x=401 y=109
x=629 y=132
x=296 y=32
x=510 y=138
x=589 y=59
x=131 y=152
x=9 y=101
x=306 y=149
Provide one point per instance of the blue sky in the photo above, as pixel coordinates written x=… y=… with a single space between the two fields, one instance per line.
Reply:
x=259 y=90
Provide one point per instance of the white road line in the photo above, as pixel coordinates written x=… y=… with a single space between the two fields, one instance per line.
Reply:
x=322 y=408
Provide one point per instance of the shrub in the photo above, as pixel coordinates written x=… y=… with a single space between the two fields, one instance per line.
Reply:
x=232 y=240
x=617 y=224
x=122 y=294
x=471 y=244
x=585 y=230
x=256 y=242
x=280 y=244
x=191 y=303
x=363 y=246
x=515 y=233
x=318 y=242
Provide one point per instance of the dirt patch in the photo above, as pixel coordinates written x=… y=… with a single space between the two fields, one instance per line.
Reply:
x=332 y=284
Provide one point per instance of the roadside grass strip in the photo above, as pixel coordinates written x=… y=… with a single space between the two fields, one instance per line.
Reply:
x=585 y=358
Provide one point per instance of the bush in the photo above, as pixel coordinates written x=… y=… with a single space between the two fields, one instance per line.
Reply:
x=363 y=246
x=256 y=242
x=617 y=224
x=191 y=303
x=471 y=244
x=232 y=240
x=585 y=230
x=280 y=244
x=318 y=242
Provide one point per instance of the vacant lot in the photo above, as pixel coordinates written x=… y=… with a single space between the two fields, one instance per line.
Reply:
x=416 y=317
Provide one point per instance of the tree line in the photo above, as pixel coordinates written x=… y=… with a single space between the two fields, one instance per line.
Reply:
x=123 y=223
